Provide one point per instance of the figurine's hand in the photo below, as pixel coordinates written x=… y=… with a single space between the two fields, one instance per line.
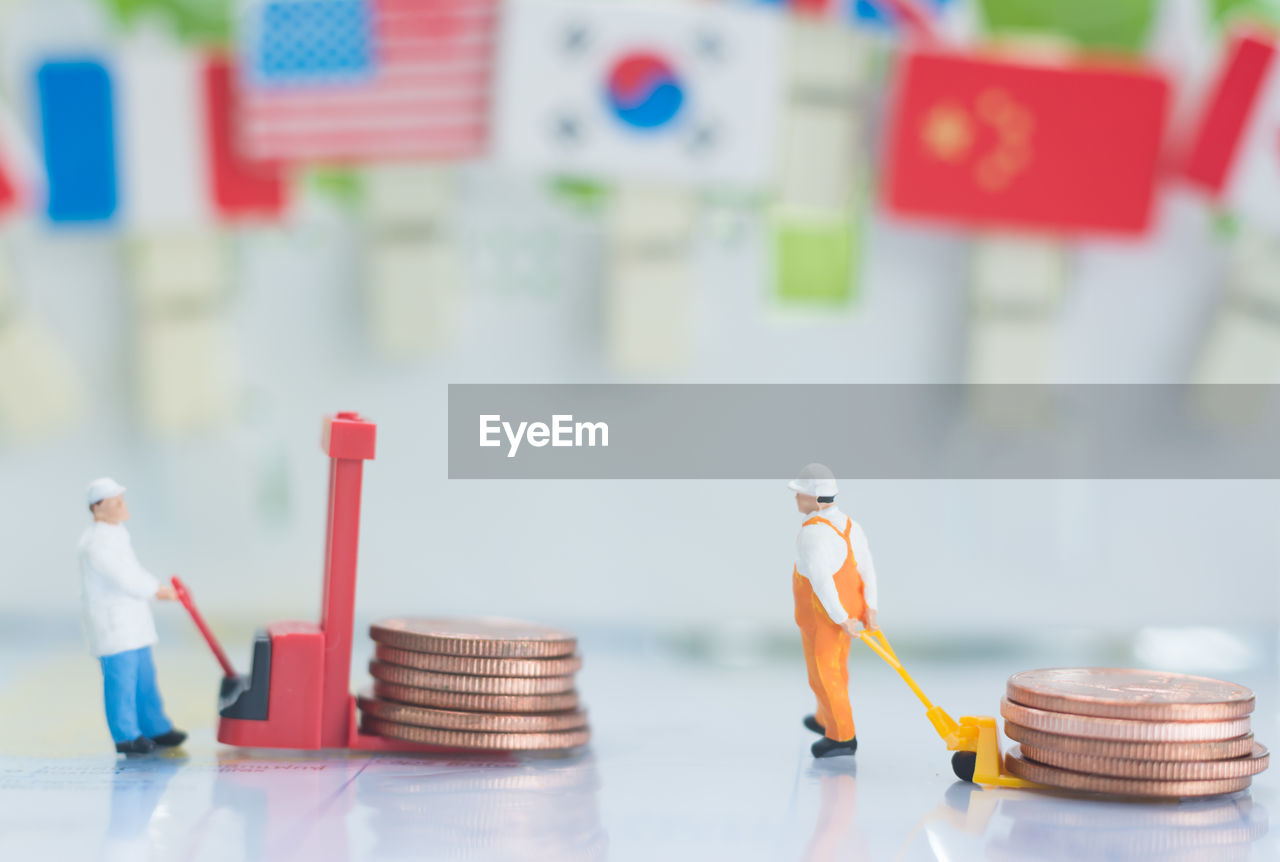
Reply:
x=167 y=593
x=870 y=621
x=851 y=626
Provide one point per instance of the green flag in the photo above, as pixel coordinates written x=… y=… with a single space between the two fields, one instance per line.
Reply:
x=815 y=256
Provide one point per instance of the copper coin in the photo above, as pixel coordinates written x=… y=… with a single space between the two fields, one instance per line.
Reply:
x=1187 y=770
x=1167 y=751
x=1145 y=695
x=1094 y=727
x=506 y=703
x=484 y=638
x=449 y=719
x=470 y=684
x=476 y=666
x=1052 y=776
x=476 y=739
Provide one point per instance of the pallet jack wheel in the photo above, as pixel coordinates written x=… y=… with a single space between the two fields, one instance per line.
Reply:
x=963 y=763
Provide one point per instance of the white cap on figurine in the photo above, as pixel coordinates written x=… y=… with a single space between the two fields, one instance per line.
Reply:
x=816 y=480
x=104 y=489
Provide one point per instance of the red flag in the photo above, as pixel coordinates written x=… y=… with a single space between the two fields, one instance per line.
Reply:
x=1235 y=150
x=241 y=187
x=8 y=192
x=1009 y=143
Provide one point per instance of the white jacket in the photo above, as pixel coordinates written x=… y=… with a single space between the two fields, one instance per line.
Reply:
x=820 y=553
x=116 y=591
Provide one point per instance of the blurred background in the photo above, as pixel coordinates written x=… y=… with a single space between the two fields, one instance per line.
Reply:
x=223 y=220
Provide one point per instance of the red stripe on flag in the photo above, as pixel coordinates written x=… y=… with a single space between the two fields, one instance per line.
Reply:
x=368 y=126
x=241 y=187
x=417 y=26
x=811 y=7
x=347 y=149
x=396 y=82
x=409 y=52
x=1231 y=101
x=326 y=108
x=372 y=128
x=8 y=189
x=418 y=8
x=437 y=136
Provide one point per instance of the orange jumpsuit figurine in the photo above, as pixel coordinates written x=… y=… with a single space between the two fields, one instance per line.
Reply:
x=834 y=582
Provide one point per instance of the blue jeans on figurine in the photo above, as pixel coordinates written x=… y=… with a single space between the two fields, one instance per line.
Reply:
x=134 y=709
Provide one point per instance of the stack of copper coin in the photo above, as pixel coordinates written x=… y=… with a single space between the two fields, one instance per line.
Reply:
x=1131 y=732
x=497 y=685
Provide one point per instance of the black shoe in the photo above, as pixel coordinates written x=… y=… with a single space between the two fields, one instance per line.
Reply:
x=831 y=748
x=811 y=722
x=141 y=745
x=172 y=738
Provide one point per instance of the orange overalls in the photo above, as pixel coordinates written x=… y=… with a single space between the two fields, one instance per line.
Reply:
x=826 y=645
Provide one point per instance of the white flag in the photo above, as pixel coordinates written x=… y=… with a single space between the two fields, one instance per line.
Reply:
x=160 y=124
x=678 y=94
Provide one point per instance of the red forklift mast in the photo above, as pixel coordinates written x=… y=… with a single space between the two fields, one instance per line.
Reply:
x=297 y=694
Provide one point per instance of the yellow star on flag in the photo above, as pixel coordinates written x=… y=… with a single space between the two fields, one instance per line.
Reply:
x=947 y=132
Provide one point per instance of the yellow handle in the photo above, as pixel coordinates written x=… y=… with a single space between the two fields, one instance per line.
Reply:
x=881 y=650
x=880 y=646
x=880 y=643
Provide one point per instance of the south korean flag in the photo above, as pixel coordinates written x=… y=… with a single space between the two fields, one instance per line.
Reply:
x=683 y=95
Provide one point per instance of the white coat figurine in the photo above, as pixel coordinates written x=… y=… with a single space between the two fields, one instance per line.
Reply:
x=117 y=591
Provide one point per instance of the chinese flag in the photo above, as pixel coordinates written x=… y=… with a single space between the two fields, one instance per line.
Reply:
x=987 y=141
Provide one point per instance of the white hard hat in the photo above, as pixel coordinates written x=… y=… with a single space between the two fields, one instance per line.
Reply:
x=816 y=480
x=104 y=489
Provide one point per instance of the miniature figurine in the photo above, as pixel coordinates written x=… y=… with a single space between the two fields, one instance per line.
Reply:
x=117 y=620
x=834 y=582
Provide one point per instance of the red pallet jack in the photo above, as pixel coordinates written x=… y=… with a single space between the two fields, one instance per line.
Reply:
x=297 y=693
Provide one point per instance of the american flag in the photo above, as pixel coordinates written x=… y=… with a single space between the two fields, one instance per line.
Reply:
x=357 y=80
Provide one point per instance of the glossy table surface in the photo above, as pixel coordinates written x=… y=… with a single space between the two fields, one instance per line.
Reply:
x=691 y=759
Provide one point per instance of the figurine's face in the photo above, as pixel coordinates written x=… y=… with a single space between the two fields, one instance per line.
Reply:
x=112 y=510
x=806 y=503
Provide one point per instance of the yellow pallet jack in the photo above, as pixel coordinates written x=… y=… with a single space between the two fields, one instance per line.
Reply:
x=973 y=738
